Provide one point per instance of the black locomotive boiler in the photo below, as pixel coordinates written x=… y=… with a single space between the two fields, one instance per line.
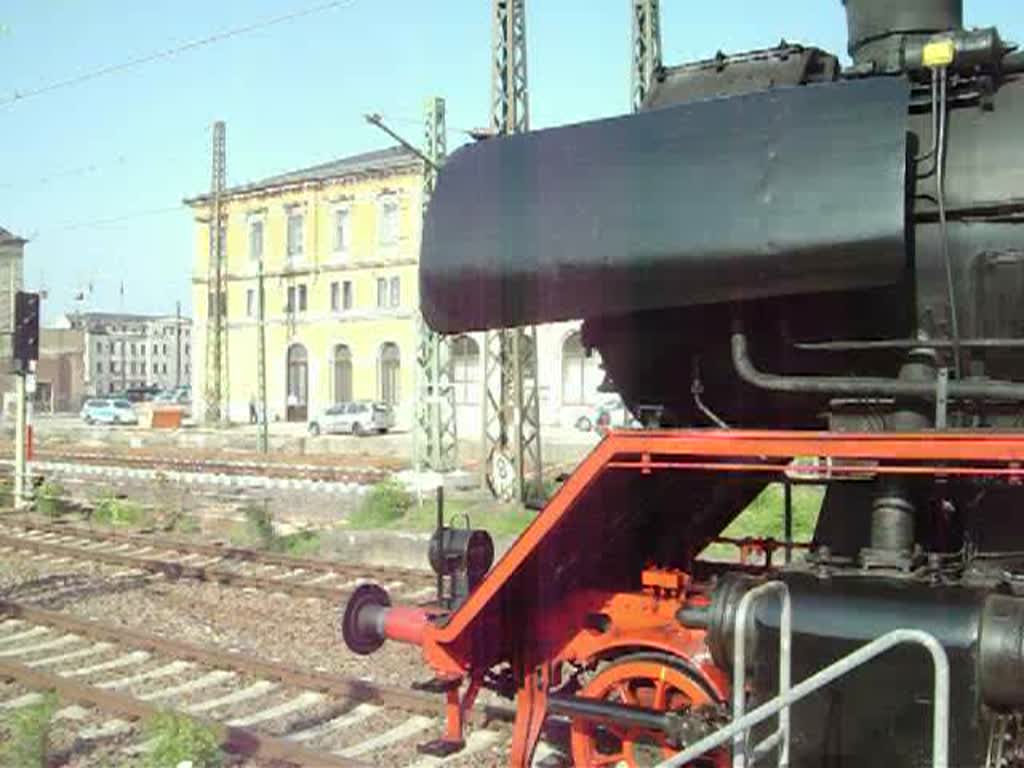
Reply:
x=800 y=254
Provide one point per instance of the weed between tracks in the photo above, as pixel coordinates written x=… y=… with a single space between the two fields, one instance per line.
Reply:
x=50 y=499
x=27 y=732
x=389 y=506
x=177 y=739
x=258 y=530
x=115 y=510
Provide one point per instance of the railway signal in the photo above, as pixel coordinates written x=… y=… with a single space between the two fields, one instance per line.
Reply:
x=26 y=330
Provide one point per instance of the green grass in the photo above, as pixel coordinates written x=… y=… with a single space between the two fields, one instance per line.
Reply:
x=28 y=728
x=385 y=504
x=400 y=510
x=113 y=510
x=178 y=739
x=50 y=499
x=299 y=544
x=765 y=517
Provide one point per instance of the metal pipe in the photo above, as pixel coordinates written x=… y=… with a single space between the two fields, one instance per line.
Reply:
x=868 y=386
x=612 y=713
x=739 y=671
x=940 y=188
x=940 y=716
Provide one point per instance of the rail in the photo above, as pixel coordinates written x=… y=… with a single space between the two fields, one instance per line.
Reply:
x=864 y=654
x=780 y=737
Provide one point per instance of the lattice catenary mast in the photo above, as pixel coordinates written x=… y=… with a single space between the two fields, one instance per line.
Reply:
x=511 y=464
x=646 y=54
x=436 y=439
x=216 y=383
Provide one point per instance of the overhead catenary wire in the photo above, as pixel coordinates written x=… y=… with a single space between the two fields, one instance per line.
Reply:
x=167 y=53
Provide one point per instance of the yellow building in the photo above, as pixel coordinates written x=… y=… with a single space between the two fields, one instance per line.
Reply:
x=339 y=244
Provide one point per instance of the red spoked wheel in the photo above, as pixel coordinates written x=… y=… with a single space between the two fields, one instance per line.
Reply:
x=655 y=681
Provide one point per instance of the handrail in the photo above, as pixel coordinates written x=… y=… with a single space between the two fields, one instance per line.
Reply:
x=940 y=716
x=739 y=673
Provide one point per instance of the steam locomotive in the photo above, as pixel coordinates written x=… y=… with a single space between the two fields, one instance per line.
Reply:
x=817 y=261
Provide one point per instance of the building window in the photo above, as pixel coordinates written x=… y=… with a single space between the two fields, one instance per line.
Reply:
x=297 y=384
x=389 y=370
x=335 y=297
x=188 y=350
x=382 y=293
x=302 y=298
x=99 y=347
x=342 y=374
x=250 y=302
x=341 y=230
x=396 y=292
x=135 y=368
x=165 y=349
x=99 y=367
x=255 y=239
x=143 y=369
x=346 y=295
x=187 y=369
x=466 y=370
x=289 y=305
x=113 y=367
x=388 y=221
x=295 y=221
x=133 y=349
x=155 y=349
x=110 y=347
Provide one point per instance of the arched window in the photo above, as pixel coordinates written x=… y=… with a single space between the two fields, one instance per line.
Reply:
x=296 y=405
x=342 y=374
x=575 y=372
x=389 y=371
x=466 y=370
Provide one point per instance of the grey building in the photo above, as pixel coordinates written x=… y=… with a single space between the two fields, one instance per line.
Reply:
x=124 y=351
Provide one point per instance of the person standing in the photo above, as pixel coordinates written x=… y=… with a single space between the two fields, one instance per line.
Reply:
x=253 y=414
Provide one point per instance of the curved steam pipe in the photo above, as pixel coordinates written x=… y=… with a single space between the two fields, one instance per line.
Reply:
x=854 y=386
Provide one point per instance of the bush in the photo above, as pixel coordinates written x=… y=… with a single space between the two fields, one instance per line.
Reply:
x=299 y=544
x=113 y=510
x=50 y=499
x=386 y=502
x=259 y=526
x=28 y=734
x=178 y=739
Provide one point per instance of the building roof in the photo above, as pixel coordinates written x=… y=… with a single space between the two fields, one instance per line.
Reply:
x=8 y=237
x=89 y=318
x=391 y=159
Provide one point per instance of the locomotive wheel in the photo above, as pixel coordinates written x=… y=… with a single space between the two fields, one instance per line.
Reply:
x=653 y=680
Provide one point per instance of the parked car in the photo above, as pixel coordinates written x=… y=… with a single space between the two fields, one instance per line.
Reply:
x=607 y=415
x=103 y=411
x=358 y=418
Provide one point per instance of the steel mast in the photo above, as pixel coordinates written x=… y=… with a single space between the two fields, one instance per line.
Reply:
x=435 y=439
x=511 y=458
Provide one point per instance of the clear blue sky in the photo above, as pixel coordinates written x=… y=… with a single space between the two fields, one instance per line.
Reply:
x=292 y=95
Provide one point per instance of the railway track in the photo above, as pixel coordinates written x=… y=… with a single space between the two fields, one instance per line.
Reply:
x=143 y=553
x=211 y=465
x=257 y=708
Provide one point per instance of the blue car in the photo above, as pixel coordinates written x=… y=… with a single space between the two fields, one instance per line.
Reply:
x=98 y=411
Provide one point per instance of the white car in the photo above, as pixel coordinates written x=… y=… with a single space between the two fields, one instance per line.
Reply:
x=358 y=418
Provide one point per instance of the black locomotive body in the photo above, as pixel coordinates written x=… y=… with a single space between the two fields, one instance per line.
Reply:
x=778 y=242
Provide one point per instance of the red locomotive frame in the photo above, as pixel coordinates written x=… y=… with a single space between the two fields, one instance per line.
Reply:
x=509 y=619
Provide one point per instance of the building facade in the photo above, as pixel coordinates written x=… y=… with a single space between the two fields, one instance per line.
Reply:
x=60 y=371
x=339 y=244
x=129 y=351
